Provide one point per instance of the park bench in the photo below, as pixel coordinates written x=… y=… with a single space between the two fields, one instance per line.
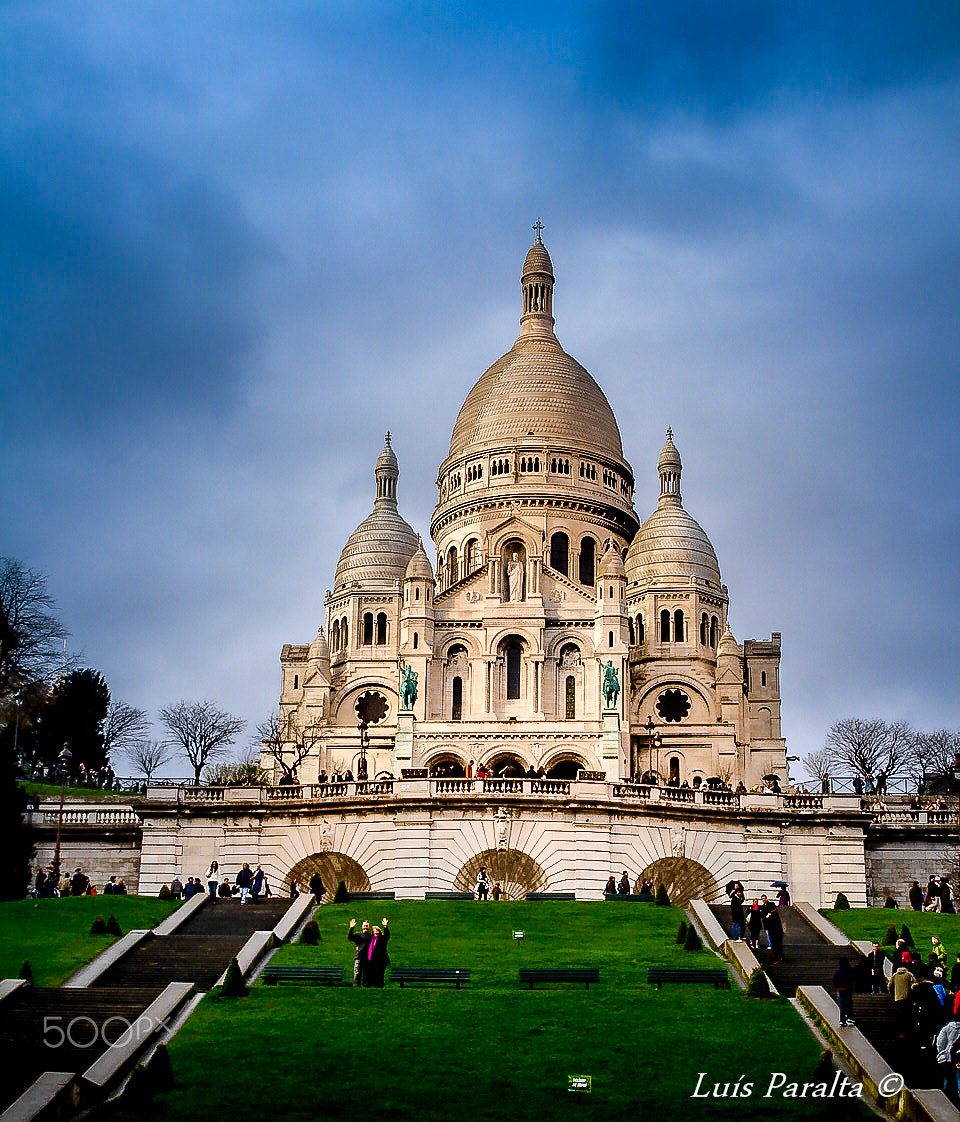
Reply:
x=577 y=975
x=304 y=975
x=448 y=895
x=679 y=975
x=430 y=976
x=550 y=896
x=372 y=896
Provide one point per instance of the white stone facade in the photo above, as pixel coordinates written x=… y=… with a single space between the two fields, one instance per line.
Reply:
x=543 y=579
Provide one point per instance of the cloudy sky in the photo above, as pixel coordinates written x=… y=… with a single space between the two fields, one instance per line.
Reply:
x=239 y=241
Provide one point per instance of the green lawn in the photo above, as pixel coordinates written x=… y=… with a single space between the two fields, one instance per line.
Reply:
x=55 y=934
x=872 y=924
x=493 y=1051
x=48 y=791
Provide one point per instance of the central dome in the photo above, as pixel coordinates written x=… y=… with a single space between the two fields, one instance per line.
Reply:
x=536 y=389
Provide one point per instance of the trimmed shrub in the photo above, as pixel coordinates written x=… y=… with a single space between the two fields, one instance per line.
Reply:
x=341 y=896
x=311 y=933
x=757 y=984
x=662 y=898
x=99 y=926
x=692 y=940
x=233 y=984
x=890 y=938
x=160 y=1070
x=26 y=972
x=113 y=925
x=164 y=893
x=906 y=936
x=842 y=902
x=137 y=1095
x=681 y=932
x=823 y=1072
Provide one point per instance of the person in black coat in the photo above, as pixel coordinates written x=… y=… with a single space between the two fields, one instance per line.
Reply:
x=843 y=984
x=875 y=960
x=316 y=887
x=774 y=926
x=736 y=914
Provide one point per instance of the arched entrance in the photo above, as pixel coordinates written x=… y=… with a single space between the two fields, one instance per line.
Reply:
x=506 y=764
x=333 y=868
x=447 y=766
x=515 y=872
x=684 y=880
x=566 y=767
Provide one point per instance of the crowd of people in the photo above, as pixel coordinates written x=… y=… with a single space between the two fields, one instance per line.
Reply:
x=46 y=884
x=101 y=779
x=936 y=897
x=249 y=885
x=758 y=919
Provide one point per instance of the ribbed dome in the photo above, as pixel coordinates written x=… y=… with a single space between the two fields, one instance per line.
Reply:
x=379 y=549
x=538 y=260
x=536 y=387
x=419 y=567
x=671 y=544
x=319 y=649
x=669 y=456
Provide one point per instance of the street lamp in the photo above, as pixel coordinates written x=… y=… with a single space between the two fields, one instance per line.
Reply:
x=18 y=699
x=654 y=740
x=364 y=743
x=64 y=757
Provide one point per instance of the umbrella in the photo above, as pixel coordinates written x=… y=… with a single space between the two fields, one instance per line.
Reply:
x=778 y=884
x=730 y=886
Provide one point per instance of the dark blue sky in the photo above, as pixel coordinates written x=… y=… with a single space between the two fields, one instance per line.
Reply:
x=240 y=241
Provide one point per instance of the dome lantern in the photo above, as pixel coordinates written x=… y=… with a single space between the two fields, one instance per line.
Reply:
x=537 y=282
x=670 y=467
x=387 y=472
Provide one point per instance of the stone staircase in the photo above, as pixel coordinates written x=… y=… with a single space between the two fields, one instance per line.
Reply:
x=82 y=1023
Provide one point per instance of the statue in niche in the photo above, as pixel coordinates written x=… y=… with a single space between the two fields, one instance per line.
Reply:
x=611 y=685
x=678 y=842
x=570 y=658
x=515 y=571
x=502 y=820
x=326 y=837
x=408 y=688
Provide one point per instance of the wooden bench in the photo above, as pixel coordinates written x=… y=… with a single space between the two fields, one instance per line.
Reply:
x=577 y=975
x=550 y=896
x=372 y=896
x=303 y=975
x=679 y=975
x=448 y=896
x=430 y=976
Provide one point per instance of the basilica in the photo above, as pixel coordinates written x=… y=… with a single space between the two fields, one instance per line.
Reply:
x=547 y=629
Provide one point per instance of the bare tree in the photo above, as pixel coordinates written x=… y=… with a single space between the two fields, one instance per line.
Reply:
x=817 y=764
x=934 y=753
x=285 y=741
x=124 y=727
x=201 y=731
x=147 y=756
x=31 y=636
x=863 y=747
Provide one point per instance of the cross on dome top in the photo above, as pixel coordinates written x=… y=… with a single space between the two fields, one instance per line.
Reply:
x=538 y=226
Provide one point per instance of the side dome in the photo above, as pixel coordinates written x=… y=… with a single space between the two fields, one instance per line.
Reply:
x=419 y=566
x=674 y=545
x=611 y=563
x=381 y=547
x=671 y=544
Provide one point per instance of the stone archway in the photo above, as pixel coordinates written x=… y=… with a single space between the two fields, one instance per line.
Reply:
x=333 y=868
x=515 y=872
x=684 y=880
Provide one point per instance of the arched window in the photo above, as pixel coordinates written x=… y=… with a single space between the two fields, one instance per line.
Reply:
x=610 y=639
x=714 y=630
x=345 y=633
x=560 y=553
x=416 y=640
x=472 y=556
x=296 y=681
x=416 y=594
x=639 y=629
x=763 y=678
x=456 y=712
x=665 y=626
x=335 y=634
x=367 y=628
x=570 y=710
x=633 y=634
x=452 y=565
x=588 y=550
x=674 y=766
x=678 y=636
x=703 y=630
x=381 y=629
x=513 y=672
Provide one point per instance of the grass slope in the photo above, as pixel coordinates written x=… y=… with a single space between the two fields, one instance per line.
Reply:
x=492 y=1051
x=55 y=934
x=872 y=924
x=51 y=791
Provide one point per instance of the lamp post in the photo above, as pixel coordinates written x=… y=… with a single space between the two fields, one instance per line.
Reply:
x=654 y=740
x=18 y=700
x=64 y=758
x=956 y=777
x=364 y=742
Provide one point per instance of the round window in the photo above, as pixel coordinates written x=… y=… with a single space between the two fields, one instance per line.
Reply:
x=673 y=705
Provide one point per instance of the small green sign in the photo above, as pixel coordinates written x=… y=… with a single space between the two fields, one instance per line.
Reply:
x=581 y=1083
